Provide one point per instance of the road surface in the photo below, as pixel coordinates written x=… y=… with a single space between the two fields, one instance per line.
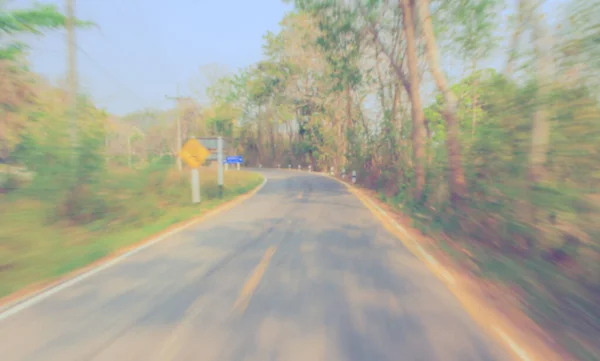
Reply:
x=302 y=271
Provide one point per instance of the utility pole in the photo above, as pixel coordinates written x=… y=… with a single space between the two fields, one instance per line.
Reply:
x=178 y=99
x=72 y=73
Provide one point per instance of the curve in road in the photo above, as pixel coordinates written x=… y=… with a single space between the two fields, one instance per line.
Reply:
x=301 y=271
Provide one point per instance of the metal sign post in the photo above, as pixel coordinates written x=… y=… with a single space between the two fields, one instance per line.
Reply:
x=220 y=165
x=353 y=177
x=236 y=159
x=194 y=154
x=195 y=185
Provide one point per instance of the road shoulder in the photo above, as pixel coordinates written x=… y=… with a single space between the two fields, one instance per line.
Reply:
x=15 y=302
x=508 y=325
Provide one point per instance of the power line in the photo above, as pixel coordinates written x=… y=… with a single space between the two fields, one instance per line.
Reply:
x=178 y=99
x=71 y=43
x=109 y=74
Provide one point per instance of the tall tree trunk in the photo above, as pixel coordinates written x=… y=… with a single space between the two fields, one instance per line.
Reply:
x=474 y=98
x=273 y=142
x=400 y=124
x=349 y=126
x=342 y=142
x=259 y=136
x=380 y=79
x=540 y=132
x=273 y=124
x=290 y=135
x=388 y=116
x=514 y=43
x=429 y=134
x=396 y=66
x=418 y=117
x=458 y=187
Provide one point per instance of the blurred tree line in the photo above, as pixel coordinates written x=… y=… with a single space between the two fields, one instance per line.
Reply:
x=36 y=143
x=507 y=158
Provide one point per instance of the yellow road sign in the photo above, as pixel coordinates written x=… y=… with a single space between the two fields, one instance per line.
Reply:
x=194 y=153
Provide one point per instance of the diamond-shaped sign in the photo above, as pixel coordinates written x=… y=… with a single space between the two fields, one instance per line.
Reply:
x=194 y=153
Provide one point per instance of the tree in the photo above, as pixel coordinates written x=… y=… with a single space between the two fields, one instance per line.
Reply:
x=344 y=83
x=458 y=186
x=540 y=133
x=36 y=20
x=17 y=84
x=418 y=117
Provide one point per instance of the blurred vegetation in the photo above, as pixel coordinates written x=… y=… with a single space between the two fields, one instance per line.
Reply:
x=120 y=208
x=502 y=166
x=62 y=207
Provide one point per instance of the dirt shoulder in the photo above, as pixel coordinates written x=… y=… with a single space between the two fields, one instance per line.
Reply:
x=496 y=306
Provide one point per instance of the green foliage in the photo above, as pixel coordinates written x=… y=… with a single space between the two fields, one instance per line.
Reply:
x=69 y=204
x=583 y=33
x=471 y=24
x=121 y=208
x=339 y=40
x=513 y=223
x=35 y=20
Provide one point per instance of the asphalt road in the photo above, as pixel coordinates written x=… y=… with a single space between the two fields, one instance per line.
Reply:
x=301 y=271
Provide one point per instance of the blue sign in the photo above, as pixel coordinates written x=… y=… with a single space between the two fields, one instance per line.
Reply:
x=234 y=159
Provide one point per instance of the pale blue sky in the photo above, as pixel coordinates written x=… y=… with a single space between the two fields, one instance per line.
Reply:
x=144 y=48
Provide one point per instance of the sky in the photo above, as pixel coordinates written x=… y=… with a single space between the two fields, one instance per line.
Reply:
x=144 y=49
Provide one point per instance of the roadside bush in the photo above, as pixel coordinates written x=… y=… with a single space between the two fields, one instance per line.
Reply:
x=11 y=182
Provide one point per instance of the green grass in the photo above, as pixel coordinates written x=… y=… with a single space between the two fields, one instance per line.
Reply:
x=36 y=246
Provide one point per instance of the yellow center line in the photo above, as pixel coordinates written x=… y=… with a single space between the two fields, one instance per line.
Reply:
x=252 y=282
x=169 y=349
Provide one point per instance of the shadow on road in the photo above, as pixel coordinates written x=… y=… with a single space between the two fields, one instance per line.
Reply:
x=338 y=287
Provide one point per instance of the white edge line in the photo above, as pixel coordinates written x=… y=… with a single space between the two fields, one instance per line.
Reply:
x=513 y=345
x=519 y=351
x=28 y=301
x=429 y=258
x=420 y=249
